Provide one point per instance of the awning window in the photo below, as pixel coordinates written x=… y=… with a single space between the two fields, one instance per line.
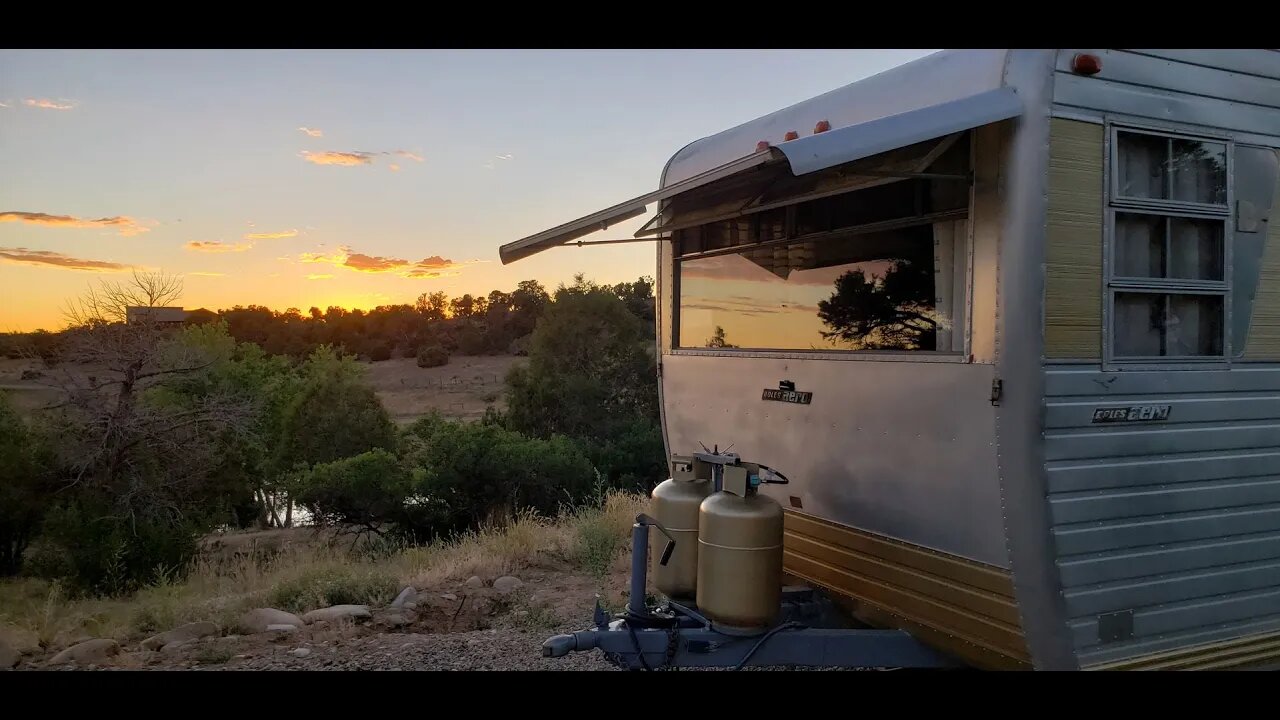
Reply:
x=806 y=168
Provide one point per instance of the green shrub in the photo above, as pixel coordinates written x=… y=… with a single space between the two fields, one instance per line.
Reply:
x=325 y=586
x=430 y=356
x=366 y=490
x=380 y=352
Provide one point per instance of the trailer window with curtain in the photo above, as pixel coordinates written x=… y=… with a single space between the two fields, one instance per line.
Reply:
x=856 y=259
x=1168 y=280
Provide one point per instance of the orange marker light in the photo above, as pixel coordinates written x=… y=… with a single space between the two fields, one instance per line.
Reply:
x=1086 y=64
x=821 y=127
x=762 y=145
x=791 y=135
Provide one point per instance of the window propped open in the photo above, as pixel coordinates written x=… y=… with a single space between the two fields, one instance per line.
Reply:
x=944 y=159
x=868 y=256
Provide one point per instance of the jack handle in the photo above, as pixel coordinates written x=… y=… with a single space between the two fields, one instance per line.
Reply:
x=643 y=519
x=782 y=478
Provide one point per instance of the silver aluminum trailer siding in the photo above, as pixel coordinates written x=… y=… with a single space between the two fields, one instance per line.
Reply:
x=1044 y=479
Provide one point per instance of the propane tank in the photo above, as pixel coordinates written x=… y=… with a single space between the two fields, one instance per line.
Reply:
x=740 y=552
x=675 y=506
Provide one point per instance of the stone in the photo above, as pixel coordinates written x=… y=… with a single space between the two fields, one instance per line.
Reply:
x=411 y=605
x=450 y=597
x=338 y=612
x=260 y=620
x=9 y=655
x=88 y=652
x=407 y=595
x=190 y=631
x=394 y=619
x=507 y=584
x=175 y=647
x=474 y=582
x=300 y=652
x=281 y=628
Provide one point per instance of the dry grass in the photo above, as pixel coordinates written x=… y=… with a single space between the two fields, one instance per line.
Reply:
x=304 y=576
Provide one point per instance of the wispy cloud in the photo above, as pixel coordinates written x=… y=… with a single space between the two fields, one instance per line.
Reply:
x=335 y=157
x=506 y=156
x=319 y=277
x=217 y=246
x=56 y=259
x=4 y=104
x=126 y=226
x=47 y=104
x=271 y=235
x=393 y=167
x=431 y=267
x=207 y=274
x=355 y=157
x=313 y=132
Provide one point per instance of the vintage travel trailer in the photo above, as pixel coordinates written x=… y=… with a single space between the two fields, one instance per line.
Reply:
x=1008 y=321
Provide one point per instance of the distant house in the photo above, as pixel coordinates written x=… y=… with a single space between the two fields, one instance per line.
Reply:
x=158 y=315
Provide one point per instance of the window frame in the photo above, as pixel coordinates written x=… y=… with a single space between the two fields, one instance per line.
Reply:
x=1112 y=284
x=790 y=237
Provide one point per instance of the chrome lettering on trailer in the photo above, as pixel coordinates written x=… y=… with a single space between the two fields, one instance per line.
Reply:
x=1132 y=413
x=786 y=392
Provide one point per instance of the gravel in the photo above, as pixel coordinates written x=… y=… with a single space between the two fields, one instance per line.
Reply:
x=478 y=650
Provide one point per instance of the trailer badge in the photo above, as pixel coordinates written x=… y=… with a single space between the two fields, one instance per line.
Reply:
x=786 y=392
x=1135 y=413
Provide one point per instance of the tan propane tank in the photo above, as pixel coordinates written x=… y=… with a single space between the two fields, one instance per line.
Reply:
x=740 y=553
x=675 y=505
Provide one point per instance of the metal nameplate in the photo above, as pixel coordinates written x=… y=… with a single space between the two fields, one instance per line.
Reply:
x=1132 y=413
x=790 y=396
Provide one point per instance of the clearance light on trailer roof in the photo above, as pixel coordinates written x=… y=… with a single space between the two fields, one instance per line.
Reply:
x=791 y=135
x=762 y=146
x=1085 y=64
x=821 y=127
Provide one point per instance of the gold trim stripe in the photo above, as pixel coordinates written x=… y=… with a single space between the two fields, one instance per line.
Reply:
x=960 y=606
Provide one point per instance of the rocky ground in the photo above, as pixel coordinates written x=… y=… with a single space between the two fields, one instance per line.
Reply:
x=474 y=626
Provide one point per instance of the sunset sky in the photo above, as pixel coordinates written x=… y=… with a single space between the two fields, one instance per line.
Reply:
x=353 y=178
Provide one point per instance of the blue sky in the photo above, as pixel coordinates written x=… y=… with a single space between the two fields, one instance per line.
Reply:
x=351 y=177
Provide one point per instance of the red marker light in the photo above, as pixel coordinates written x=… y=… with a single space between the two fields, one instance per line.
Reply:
x=791 y=135
x=1086 y=64
x=821 y=127
x=762 y=145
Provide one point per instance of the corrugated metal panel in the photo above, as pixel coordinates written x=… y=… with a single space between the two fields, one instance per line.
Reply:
x=1264 y=63
x=1193 y=87
x=1167 y=533
x=1073 y=242
x=1182 y=77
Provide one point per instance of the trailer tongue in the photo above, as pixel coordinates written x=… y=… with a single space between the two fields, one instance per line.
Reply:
x=740 y=615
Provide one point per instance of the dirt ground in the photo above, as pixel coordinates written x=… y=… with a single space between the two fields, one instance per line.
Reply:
x=460 y=390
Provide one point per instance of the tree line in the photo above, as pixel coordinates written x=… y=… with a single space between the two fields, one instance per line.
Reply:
x=497 y=324
x=163 y=434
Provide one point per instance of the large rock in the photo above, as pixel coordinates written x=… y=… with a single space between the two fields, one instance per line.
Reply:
x=89 y=651
x=474 y=582
x=394 y=619
x=26 y=642
x=507 y=584
x=258 y=620
x=338 y=612
x=190 y=631
x=9 y=655
x=407 y=595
